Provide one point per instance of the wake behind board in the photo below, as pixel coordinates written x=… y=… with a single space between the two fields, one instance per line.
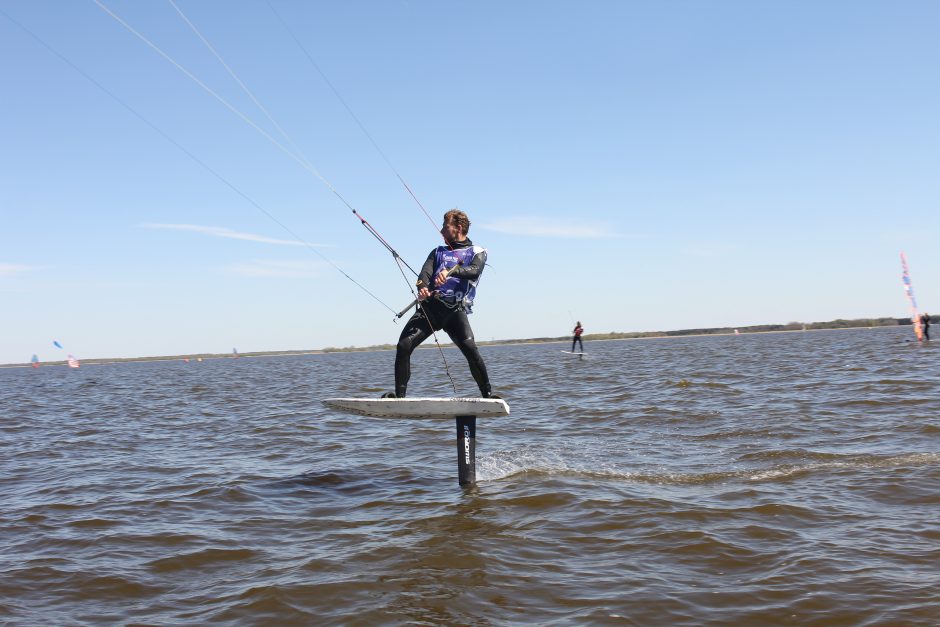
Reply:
x=420 y=407
x=580 y=355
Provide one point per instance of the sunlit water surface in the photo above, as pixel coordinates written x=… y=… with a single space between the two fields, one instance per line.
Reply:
x=788 y=478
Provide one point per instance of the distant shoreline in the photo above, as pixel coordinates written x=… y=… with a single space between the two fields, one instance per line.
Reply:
x=595 y=337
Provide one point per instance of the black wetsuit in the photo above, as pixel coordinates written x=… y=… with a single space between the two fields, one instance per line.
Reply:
x=925 y=326
x=449 y=316
x=577 y=338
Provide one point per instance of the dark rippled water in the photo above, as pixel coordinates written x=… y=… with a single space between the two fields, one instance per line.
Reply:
x=768 y=479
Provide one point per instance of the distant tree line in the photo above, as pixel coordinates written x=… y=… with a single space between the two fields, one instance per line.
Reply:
x=760 y=328
x=613 y=335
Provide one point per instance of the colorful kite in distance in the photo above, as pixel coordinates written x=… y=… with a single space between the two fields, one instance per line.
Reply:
x=909 y=290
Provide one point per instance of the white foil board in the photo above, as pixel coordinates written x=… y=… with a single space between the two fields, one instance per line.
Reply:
x=420 y=407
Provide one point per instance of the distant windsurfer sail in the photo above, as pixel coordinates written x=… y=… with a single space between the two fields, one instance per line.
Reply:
x=909 y=290
x=73 y=363
x=34 y=361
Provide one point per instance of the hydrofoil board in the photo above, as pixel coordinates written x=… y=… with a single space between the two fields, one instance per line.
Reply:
x=420 y=407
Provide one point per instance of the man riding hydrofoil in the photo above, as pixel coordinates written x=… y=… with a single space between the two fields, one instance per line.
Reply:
x=446 y=287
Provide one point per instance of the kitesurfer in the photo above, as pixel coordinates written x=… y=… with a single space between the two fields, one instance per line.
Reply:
x=925 y=326
x=446 y=287
x=578 y=330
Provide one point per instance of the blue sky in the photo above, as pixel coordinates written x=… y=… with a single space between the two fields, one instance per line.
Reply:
x=637 y=166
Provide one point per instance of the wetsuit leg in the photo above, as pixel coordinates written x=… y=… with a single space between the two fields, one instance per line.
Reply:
x=574 y=341
x=457 y=326
x=416 y=331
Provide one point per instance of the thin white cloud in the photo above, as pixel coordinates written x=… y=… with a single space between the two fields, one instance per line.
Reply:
x=270 y=268
x=536 y=226
x=708 y=250
x=13 y=269
x=220 y=231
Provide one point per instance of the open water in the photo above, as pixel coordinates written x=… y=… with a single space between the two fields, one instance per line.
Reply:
x=789 y=479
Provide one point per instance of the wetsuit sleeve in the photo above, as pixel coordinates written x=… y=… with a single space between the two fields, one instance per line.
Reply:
x=424 y=278
x=472 y=270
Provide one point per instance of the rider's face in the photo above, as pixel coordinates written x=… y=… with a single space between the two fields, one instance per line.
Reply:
x=451 y=231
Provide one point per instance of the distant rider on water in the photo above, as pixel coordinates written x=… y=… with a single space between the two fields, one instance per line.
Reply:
x=578 y=330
